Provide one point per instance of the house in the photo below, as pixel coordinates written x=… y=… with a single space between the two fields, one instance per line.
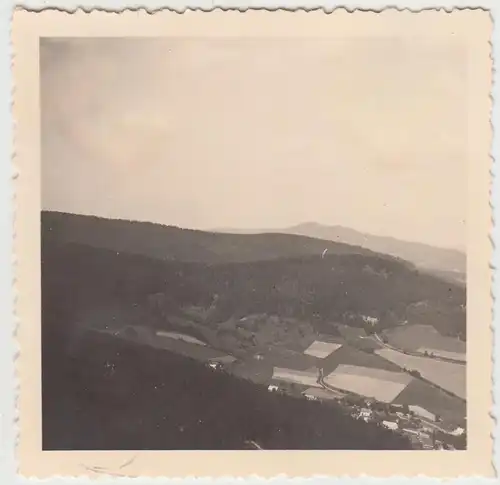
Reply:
x=369 y=319
x=457 y=432
x=310 y=397
x=365 y=413
x=215 y=365
x=422 y=413
x=390 y=425
x=272 y=388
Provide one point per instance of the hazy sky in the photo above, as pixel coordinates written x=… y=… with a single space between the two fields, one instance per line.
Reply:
x=368 y=134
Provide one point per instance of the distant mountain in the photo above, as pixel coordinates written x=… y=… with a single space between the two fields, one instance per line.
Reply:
x=187 y=245
x=448 y=264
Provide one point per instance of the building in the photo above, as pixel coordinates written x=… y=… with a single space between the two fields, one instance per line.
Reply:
x=310 y=397
x=272 y=388
x=390 y=425
x=365 y=413
x=215 y=365
x=457 y=432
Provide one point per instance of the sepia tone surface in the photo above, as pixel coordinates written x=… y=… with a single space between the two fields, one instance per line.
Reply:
x=419 y=169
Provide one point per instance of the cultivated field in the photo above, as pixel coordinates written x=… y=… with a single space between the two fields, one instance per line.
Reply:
x=189 y=347
x=380 y=384
x=321 y=349
x=419 y=393
x=349 y=355
x=445 y=374
x=324 y=393
x=180 y=336
x=443 y=353
x=281 y=357
x=414 y=337
x=307 y=378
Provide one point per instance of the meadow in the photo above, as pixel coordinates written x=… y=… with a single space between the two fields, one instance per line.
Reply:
x=379 y=384
x=446 y=375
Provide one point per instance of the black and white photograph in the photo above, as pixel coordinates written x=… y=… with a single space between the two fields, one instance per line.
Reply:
x=256 y=241
x=253 y=244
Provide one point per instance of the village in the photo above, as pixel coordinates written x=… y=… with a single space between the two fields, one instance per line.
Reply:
x=363 y=392
x=425 y=430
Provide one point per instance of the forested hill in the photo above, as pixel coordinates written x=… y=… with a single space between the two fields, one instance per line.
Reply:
x=107 y=394
x=176 y=244
x=78 y=280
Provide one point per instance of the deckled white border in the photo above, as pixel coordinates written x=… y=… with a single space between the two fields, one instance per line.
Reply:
x=7 y=323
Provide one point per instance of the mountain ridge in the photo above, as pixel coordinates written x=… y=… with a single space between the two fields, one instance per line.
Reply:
x=188 y=245
x=449 y=263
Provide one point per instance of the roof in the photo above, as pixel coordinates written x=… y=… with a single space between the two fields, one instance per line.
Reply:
x=390 y=424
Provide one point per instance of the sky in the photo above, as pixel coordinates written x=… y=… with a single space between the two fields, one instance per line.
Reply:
x=369 y=134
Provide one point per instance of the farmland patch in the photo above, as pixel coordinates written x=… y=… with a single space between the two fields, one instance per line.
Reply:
x=420 y=393
x=413 y=337
x=442 y=353
x=307 y=378
x=380 y=384
x=324 y=393
x=322 y=349
x=180 y=336
x=349 y=355
x=446 y=375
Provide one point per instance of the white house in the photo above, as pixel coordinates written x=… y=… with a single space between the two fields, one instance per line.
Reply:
x=215 y=365
x=272 y=388
x=457 y=432
x=365 y=413
x=310 y=397
x=390 y=425
x=370 y=320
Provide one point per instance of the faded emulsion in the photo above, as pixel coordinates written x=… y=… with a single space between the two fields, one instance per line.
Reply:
x=241 y=252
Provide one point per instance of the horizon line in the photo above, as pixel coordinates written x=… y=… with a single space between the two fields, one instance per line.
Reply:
x=227 y=230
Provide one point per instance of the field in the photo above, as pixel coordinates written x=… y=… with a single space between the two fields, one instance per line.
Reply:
x=349 y=332
x=323 y=393
x=307 y=378
x=419 y=393
x=321 y=349
x=349 y=355
x=380 y=384
x=253 y=370
x=414 y=337
x=443 y=353
x=186 y=347
x=281 y=357
x=180 y=336
x=445 y=374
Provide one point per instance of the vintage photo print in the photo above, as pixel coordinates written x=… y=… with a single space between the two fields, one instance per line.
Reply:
x=260 y=232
